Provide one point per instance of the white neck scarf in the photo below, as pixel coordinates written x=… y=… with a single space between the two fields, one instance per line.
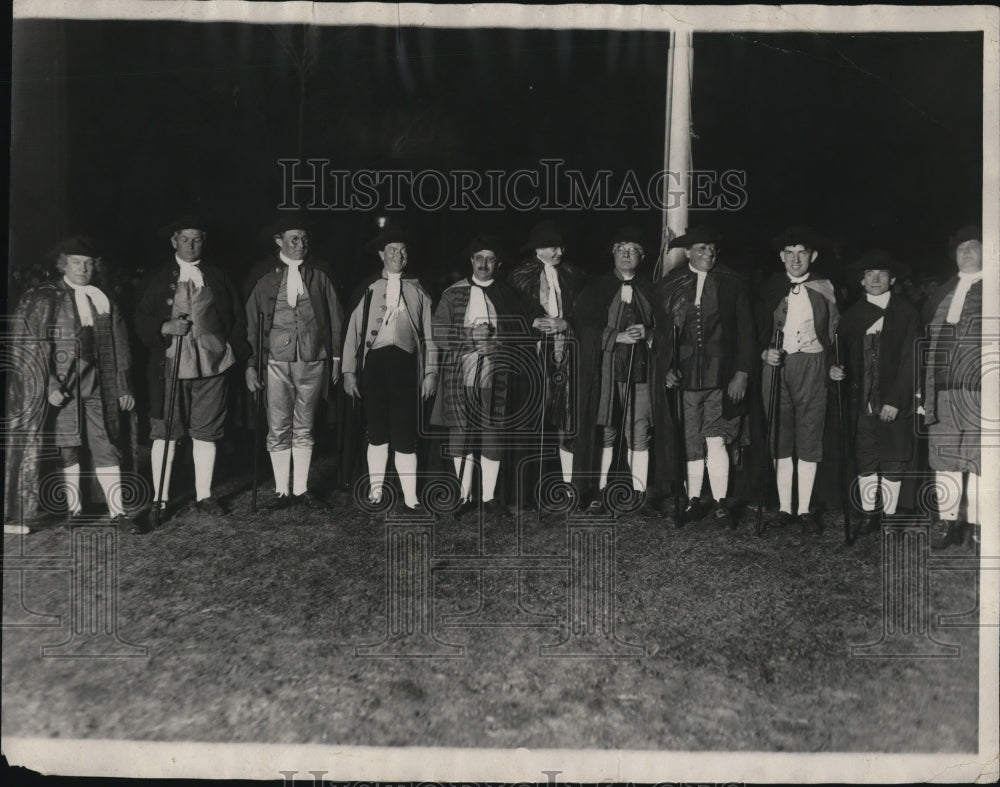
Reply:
x=882 y=301
x=392 y=294
x=626 y=290
x=85 y=295
x=191 y=272
x=701 y=283
x=552 y=280
x=294 y=287
x=478 y=310
x=965 y=281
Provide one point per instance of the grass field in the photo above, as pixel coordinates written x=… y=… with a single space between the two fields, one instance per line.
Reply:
x=252 y=626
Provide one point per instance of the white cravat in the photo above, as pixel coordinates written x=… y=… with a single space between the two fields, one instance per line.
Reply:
x=478 y=310
x=882 y=301
x=191 y=272
x=627 y=290
x=392 y=293
x=294 y=286
x=699 y=288
x=85 y=295
x=552 y=280
x=965 y=281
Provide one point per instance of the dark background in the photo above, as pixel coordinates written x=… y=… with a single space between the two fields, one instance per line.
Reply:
x=874 y=139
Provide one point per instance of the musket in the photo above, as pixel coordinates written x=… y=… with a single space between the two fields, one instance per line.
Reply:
x=358 y=408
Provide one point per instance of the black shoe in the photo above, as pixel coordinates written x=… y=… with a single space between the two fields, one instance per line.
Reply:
x=945 y=532
x=74 y=518
x=811 y=524
x=598 y=507
x=873 y=524
x=308 y=500
x=209 y=507
x=725 y=515
x=783 y=519
x=277 y=502
x=695 y=511
x=494 y=509
x=467 y=507
x=123 y=522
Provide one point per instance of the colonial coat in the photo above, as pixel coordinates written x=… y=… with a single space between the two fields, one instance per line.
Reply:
x=562 y=380
x=43 y=363
x=596 y=338
x=514 y=315
x=734 y=352
x=156 y=300
x=896 y=370
x=262 y=287
x=964 y=355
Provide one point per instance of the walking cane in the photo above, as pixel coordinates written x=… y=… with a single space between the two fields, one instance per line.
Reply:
x=258 y=397
x=678 y=425
x=625 y=410
x=771 y=404
x=357 y=408
x=541 y=431
x=467 y=442
x=155 y=518
x=842 y=453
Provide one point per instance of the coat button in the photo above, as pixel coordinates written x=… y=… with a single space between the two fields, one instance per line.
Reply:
x=374 y=333
x=170 y=301
x=173 y=286
x=368 y=344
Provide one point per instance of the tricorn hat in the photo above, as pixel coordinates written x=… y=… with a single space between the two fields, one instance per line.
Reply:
x=388 y=234
x=484 y=241
x=703 y=234
x=544 y=235
x=187 y=221
x=79 y=245
x=628 y=234
x=289 y=220
x=971 y=232
x=878 y=260
x=799 y=234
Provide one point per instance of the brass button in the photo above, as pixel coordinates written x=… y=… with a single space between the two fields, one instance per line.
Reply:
x=374 y=333
x=368 y=344
x=170 y=301
x=173 y=286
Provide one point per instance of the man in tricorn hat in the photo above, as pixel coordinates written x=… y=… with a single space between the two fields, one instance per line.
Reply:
x=390 y=363
x=477 y=325
x=952 y=389
x=614 y=325
x=192 y=308
x=294 y=293
x=709 y=304
x=554 y=284
x=803 y=307
x=879 y=336
x=71 y=332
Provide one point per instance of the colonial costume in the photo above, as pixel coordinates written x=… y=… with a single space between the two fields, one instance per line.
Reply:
x=389 y=354
x=879 y=336
x=70 y=345
x=554 y=285
x=617 y=373
x=952 y=390
x=481 y=329
x=205 y=297
x=711 y=310
x=804 y=308
x=302 y=320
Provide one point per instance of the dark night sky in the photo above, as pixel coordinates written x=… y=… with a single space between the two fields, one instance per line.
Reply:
x=874 y=139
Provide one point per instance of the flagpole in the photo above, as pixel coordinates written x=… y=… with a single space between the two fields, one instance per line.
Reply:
x=676 y=146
